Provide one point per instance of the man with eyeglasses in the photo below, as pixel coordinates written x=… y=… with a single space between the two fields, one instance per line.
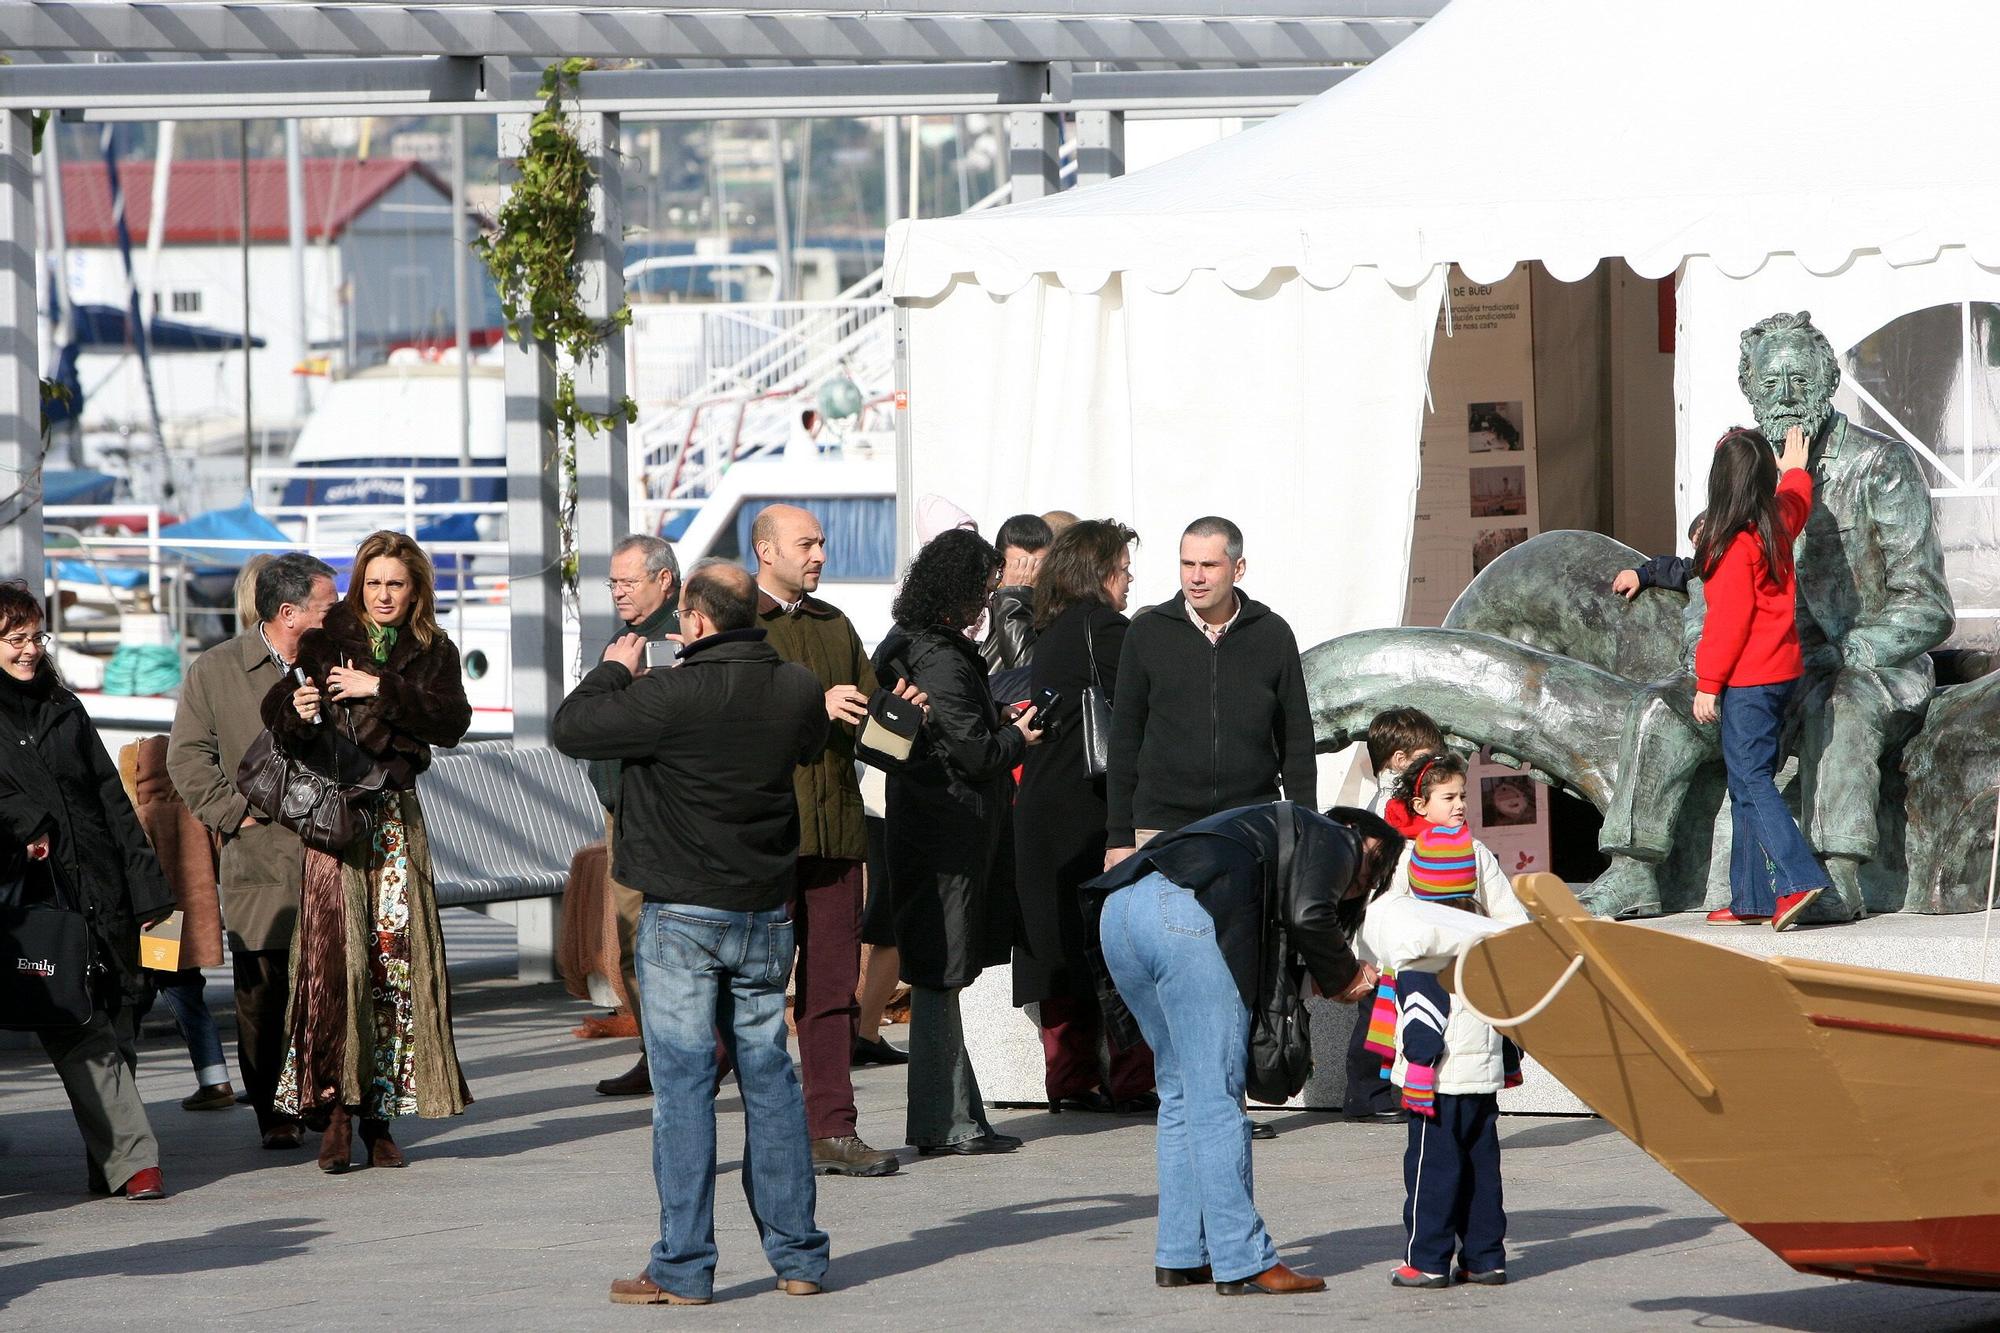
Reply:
x=262 y=861
x=645 y=586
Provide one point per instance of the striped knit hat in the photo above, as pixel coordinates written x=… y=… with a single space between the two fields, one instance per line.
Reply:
x=1441 y=863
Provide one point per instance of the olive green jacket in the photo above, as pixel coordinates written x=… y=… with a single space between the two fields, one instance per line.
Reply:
x=821 y=639
x=219 y=715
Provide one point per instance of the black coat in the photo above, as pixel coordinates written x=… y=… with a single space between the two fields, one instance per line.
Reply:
x=1059 y=815
x=1204 y=727
x=706 y=810
x=419 y=703
x=1010 y=632
x=56 y=778
x=1229 y=861
x=947 y=814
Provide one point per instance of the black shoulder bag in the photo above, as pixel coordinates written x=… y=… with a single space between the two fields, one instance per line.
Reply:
x=1096 y=714
x=1281 y=1058
x=46 y=960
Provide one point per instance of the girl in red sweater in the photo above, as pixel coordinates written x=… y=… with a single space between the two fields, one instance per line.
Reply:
x=1748 y=664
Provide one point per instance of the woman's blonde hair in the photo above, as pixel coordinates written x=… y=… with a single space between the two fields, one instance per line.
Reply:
x=421 y=620
x=246 y=591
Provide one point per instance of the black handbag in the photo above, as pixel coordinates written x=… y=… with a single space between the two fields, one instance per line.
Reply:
x=889 y=733
x=319 y=795
x=46 y=960
x=1096 y=715
x=1281 y=1058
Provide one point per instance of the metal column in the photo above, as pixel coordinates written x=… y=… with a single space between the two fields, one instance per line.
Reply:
x=20 y=380
x=1100 y=146
x=1034 y=151
x=603 y=468
x=534 y=495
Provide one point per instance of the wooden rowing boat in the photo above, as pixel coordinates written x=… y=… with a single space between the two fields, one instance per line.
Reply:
x=1836 y=1113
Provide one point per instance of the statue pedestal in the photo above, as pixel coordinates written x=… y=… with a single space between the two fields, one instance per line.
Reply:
x=1007 y=1054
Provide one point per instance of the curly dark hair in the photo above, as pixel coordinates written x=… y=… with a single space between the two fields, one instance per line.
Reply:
x=947 y=584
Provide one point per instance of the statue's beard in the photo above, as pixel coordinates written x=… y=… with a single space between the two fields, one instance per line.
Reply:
x=1775 y=421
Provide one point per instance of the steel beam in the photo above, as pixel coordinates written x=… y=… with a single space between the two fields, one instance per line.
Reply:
x=603 y=469
x=1100 y=146
x=1034 y=148
x=255 y=83
x=20 y=379
x=1163 y=33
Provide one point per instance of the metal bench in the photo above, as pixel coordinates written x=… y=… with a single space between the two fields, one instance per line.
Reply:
x=503 y=824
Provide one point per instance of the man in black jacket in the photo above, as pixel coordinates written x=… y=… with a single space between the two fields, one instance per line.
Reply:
x=1009 y=644
x=708 y=831
x=1211 y=697
x=1180 y=933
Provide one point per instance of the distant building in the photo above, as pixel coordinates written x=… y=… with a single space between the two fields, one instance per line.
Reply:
x=377 y=275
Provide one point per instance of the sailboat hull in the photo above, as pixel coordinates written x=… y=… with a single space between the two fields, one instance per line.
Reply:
x=1835 y=1113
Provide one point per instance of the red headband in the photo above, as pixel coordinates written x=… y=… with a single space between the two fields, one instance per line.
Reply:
x=1417 y=787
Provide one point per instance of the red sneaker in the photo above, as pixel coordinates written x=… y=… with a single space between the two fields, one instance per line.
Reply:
x=1723 y=916
x=144 y=1185
x=1790 y=905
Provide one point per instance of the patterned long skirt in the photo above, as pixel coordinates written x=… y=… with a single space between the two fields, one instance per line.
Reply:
x=319 y=1024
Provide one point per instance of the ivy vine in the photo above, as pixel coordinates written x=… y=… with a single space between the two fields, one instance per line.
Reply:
x=533 y=255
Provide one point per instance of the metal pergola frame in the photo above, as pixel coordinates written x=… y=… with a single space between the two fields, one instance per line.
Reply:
x=1034 y=61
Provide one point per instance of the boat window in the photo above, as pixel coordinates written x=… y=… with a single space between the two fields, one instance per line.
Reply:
x=860 y=534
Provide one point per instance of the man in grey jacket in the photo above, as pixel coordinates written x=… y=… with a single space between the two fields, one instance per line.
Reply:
x=220 y=714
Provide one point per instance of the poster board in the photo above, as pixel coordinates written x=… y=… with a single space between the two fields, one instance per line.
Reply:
x=1478 y=498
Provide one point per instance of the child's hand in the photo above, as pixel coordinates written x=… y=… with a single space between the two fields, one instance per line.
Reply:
x=1705 y=709
x=1626 y=585
x=1793 y=456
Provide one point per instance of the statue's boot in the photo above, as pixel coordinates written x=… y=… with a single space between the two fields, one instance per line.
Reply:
x=1843 y=902
x=1629 y=890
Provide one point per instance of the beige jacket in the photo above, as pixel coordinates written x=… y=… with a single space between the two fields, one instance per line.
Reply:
x=217 y=719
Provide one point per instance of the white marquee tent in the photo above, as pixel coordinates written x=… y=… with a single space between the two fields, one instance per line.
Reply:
x=1246 y=329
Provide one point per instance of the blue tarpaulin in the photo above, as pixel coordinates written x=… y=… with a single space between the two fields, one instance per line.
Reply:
x=77 y=486
x=240 y=524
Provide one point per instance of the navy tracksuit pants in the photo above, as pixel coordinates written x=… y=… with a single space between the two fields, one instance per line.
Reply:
x=1451 y=1175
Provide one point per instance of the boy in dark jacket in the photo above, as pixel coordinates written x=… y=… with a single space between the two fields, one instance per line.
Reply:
x=1671 y=572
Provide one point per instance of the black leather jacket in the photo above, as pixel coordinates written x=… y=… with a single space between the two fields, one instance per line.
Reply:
x=1229 y=861
x=1010 y=637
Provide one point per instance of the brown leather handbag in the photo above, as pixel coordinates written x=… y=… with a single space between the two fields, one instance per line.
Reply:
x=320 y=794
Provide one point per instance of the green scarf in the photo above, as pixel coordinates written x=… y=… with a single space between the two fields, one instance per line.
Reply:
x=381 y=638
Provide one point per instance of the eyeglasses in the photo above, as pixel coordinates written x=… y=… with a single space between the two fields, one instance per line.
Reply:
x=19 y=642
x=626 y=585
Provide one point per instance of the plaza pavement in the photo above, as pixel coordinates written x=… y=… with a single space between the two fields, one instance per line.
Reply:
x=519 y=1214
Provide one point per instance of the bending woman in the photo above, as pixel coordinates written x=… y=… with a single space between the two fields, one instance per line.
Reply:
x=369 y=1021
x=62 y=805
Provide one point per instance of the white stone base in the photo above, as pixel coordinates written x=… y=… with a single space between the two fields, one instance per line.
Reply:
x=1007 y=1053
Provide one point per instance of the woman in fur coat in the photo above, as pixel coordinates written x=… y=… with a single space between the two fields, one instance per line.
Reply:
x=369 y=1022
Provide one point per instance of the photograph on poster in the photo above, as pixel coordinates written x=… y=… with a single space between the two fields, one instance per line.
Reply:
x=1493 y=427
x=1499 y=492
x=1506 y=802
x=1488 y=546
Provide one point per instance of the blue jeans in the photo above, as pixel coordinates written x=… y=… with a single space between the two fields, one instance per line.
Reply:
x=1768 y=856
x=183 y=996
x=1160 y=946
x=704 y=971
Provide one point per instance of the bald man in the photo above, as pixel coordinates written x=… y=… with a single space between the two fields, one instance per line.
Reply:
x=833 y=833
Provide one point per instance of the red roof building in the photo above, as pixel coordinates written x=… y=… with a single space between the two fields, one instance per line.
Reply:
x=205 y=202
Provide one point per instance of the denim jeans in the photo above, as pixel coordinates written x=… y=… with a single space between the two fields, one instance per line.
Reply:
x=704 y=971
x=1160 y=946
x=1768 y=856
x=182 y=992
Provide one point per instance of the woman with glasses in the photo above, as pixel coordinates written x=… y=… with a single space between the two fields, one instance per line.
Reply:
x=369 y=1022
x=66 y=823
x=947 y=809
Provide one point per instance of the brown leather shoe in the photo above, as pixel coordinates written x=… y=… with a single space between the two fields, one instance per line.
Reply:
x=634 y=1082
x=849 y=1156
x=642 y=1290
x=797 y=1286
x=1277 y=1280
x=382 y=1150
x=284 y=1136
x=217 y=1097
x=336 y=1145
